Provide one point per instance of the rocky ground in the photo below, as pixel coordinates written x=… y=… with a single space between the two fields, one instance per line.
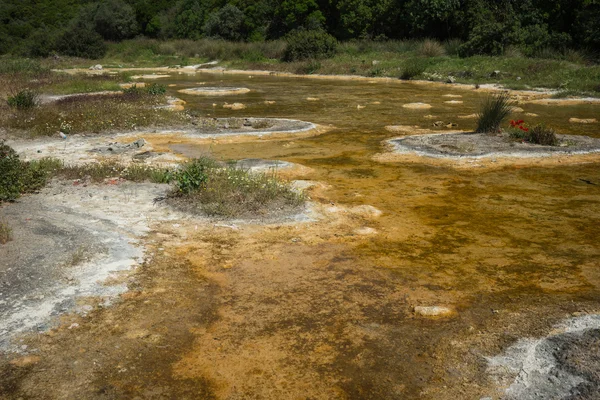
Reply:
x=467 y=144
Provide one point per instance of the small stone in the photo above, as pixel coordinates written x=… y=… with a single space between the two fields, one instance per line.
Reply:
x=450 y=79
x=583 y=120
x=365 y=231
x=433 y=311
x=495 y=73
x=518 y=78
x=417 y=106
x=234 y=106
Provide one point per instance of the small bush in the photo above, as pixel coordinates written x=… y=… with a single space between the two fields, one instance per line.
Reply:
x=412 y=68
x=494 y=111
x=302 y=45
x=193 y=175
x=10 y=173
x=5 y=233
x=431 y=48
x=452 y=46
x=23 y=100
x=540 y=134
x=156 y=89
x=17 y=177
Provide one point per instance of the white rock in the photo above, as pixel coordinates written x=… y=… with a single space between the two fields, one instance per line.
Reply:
x=433 y=311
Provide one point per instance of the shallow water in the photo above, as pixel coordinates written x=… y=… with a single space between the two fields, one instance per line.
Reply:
x=475 y=231
x=522 y=240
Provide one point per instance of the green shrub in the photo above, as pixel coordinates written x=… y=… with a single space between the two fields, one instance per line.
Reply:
x=5 y=232
x=302 y=45
x=412 y=68
x=540 y=134
x=494 y=111
x=452 y=46
x=133 y=91
x=81 y=41
x=10 y=173
x=35 y=174
x=226 y=23
x=156 y=89
x=113 y=19
x=193 y=175
x=231 y=192
x=490 y=38
x=18 y=177
x=23 y=100
x=431 y=48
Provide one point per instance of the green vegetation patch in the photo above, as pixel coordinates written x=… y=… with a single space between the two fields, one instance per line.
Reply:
x=5 y=232
x=207 y=188
x=18 y=177
x=538 y=134
x=91 y=114
x=23 y=100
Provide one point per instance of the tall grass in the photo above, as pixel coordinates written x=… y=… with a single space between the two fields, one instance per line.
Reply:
x=431 y=48
x=22 y=66
x=211 y=49
x=5 y=232
x=494 y=110
x=412 y=68
x=25 y=99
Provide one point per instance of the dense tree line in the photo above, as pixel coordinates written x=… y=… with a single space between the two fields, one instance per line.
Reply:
x=80 y=27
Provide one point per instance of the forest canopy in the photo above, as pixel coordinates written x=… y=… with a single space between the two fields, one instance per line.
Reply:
x=80 y=27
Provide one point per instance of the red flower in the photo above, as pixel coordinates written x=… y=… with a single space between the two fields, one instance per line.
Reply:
x=526 y=129
x=519 y=122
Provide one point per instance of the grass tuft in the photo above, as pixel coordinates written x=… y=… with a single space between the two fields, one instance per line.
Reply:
x=5 y=233
x=23 y=100
x=431 y=48
x=539 y=134
x=413 y=68
x=494 y=111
